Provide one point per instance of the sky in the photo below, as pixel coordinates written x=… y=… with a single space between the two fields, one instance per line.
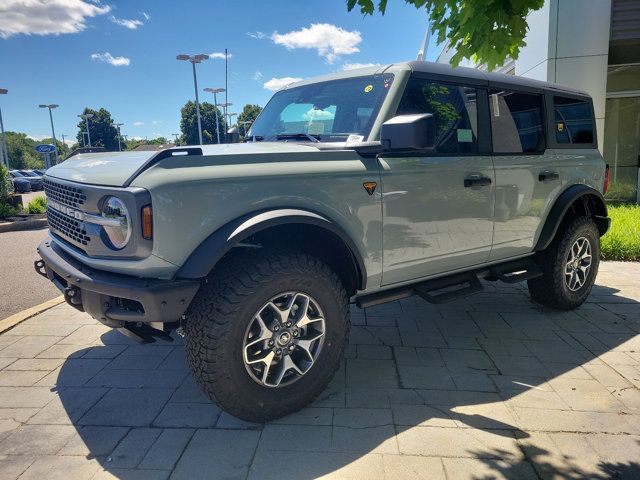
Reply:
x=121 y=55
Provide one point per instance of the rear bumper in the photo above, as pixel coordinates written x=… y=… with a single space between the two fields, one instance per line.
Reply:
x=114 y=298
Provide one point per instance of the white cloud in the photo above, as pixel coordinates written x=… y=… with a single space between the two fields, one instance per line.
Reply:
x=126 y=23
x=145 y=15
x=257 y=76
x=219 y=55
x=330 y=41
x=276 y=84
x=52 y=17
x=257 y=35
x=111 y=60
x=138 y=124
x=353 y=66
x=315 y=114
x=156 y=122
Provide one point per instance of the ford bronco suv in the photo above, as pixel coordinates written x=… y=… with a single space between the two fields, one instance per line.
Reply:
x=358 y=187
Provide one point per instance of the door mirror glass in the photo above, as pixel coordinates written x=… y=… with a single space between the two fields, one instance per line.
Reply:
x=409 y=132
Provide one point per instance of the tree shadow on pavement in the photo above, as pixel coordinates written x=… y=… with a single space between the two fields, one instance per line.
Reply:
x=419 y=380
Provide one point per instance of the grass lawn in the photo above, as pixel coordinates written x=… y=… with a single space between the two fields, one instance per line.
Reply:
x=622 y=241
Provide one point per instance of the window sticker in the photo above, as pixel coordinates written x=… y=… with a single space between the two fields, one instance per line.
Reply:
x=368 y=88
x=560 y=126
x=465 y=135
x=354 y=138
x=315 y=128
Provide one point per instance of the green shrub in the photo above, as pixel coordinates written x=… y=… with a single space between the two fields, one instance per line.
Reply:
x=6 y=185
x=622 y=241
x=37 y=205
x=7 y=210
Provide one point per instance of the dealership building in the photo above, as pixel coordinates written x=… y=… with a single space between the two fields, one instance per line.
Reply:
x=592 y=45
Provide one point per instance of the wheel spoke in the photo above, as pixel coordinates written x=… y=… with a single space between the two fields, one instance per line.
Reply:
x=306 y=344
x=287 y=364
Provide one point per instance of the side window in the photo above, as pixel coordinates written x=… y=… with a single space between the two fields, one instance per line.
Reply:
x=454 y=108
x=573 y=120
x=516 y=122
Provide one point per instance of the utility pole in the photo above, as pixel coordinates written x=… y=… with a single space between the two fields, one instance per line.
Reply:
x=3 y=145
x=53 y=132
x=176 y=135
x=215 y=91
x=226 y=89
x=195 y=59
x=118 y=125
x=86 y=118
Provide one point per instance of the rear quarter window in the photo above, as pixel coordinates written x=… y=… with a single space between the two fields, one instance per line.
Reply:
x=573 y=120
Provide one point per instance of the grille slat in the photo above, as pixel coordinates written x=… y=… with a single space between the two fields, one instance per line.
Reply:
x=71 y=196
x=68 y=227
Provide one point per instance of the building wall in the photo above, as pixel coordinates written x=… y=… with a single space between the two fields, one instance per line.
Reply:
x=568 y=43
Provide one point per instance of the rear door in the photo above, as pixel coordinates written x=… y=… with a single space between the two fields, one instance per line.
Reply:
x=438 y=206
x=527 y=175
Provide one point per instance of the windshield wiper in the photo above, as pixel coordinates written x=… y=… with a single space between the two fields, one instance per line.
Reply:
x=298 y=136
x=254 y=138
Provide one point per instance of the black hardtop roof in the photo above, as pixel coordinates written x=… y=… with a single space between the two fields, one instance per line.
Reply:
x=480 y=77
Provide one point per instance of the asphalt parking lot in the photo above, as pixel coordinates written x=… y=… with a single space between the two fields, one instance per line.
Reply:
x=492 y=386
x=20 y=286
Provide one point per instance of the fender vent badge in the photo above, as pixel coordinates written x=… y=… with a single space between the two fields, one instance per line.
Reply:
x=370 y=187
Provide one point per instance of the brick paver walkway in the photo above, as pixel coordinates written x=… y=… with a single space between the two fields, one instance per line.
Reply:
x=491 y=386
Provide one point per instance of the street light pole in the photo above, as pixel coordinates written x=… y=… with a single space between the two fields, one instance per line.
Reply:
x=118 y=125
x=86 y=117
x=53 y=132
x=195 y=59
x=3 y=145
x=215 y=91
x=176 y=135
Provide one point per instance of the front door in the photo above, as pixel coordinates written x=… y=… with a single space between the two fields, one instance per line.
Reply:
x=437 y=206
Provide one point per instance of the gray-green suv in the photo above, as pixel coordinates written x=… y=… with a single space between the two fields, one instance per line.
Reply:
x=365 y=186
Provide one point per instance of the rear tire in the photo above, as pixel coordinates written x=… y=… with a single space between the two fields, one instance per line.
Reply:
x=569 y=266
x=231 y=330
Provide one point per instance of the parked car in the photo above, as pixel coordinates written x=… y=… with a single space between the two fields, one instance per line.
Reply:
x=20 y=183
x=34 y=178
x=365 y=186
x=39 y=171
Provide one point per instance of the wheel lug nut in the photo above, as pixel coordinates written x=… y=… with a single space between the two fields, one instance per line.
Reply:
x=276 y=328
x=288 y=324
x=279 y=351
x=291 y=347
x=295 y=333
x=271 y=343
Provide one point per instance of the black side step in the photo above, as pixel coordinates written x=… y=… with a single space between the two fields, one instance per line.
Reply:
x=514 y=272
x=447 y=289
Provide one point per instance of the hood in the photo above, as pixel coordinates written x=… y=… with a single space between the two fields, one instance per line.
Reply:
x=115 y=169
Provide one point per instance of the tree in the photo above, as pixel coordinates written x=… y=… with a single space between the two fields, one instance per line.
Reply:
x=101 y=131
x=189 y=124
x=21 y=150
x=485 y=31
x=247 y=117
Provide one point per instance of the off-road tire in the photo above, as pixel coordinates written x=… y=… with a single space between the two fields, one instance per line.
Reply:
x=217 y=321
x=550 y=289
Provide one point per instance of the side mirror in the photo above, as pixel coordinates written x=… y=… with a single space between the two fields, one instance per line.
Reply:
x=409 y=132
x=233 y=135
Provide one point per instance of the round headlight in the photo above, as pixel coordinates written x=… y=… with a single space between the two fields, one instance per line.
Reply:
x=119 y=229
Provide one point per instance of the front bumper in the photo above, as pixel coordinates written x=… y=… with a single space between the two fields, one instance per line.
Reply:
x=113 y=298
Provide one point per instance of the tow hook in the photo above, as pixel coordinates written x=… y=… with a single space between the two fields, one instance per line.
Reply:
x=73 y=297
x=40 y=268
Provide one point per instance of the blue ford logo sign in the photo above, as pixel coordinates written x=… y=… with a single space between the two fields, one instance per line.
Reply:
x=45 y=148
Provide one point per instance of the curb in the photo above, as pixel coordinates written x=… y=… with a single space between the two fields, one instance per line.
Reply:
x=10 y=322
x=34 y=224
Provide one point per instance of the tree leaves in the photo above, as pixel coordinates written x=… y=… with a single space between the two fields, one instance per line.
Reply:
x=101 y=131
x=485 y=31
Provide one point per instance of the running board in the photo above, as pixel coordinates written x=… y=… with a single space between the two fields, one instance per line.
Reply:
x=514 y=272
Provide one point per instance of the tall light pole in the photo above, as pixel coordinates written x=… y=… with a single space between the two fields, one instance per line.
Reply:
x=195 y=59
x=226 y=88
x=53 y=132
x=244 y=126
x=176 y=135
x=3 y=145
x=86 y=117
x=215 y=91
x=226 y=119
x=231 y=115
x=118 y=125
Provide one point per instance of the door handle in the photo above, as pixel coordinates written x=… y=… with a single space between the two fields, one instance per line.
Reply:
x=547 y=176
x=476 y=181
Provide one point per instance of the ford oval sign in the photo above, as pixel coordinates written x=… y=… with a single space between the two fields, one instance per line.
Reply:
x=45 y=148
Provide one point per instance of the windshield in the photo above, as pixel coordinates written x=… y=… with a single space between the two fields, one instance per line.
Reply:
x=16 y=174
x=327 y=111
x=29 y=174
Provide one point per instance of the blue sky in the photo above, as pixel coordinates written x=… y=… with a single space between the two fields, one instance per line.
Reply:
x=121 y=55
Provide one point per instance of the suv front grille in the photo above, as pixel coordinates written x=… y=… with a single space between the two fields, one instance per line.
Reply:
x=68 y=227
x=71 y=196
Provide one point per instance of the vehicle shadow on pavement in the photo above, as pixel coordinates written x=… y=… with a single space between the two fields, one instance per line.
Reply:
x=490 y=386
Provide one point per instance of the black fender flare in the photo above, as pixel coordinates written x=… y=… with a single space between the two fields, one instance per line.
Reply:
x=215 y=246
x=563 y=203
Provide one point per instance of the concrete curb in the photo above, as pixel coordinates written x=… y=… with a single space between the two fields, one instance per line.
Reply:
x=10 y=322
x=35 y=224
